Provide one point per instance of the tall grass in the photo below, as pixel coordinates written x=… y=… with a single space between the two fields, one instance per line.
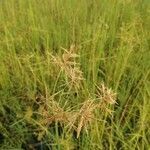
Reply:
x=74 y=74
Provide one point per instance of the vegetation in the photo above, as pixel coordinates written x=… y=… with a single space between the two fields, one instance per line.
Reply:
x=74 y=74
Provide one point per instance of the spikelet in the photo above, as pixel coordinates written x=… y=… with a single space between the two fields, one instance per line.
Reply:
x=58 y=114
x=106 y=94
x=86 y=114
x=71 y=68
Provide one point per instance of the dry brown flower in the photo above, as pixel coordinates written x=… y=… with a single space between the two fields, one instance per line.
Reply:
x=57 y=113
x=86 y=114
x=106 y=95
x=68 y=64
x=81 y=118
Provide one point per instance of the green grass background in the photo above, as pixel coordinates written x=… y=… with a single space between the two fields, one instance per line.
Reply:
x=113 y=40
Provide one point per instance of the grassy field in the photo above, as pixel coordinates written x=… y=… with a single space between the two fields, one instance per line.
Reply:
x=75 y=74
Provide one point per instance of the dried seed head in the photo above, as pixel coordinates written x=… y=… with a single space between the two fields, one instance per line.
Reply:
x=54 y=113
x=106 y=94
x=68 y=64
x=86 y=114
